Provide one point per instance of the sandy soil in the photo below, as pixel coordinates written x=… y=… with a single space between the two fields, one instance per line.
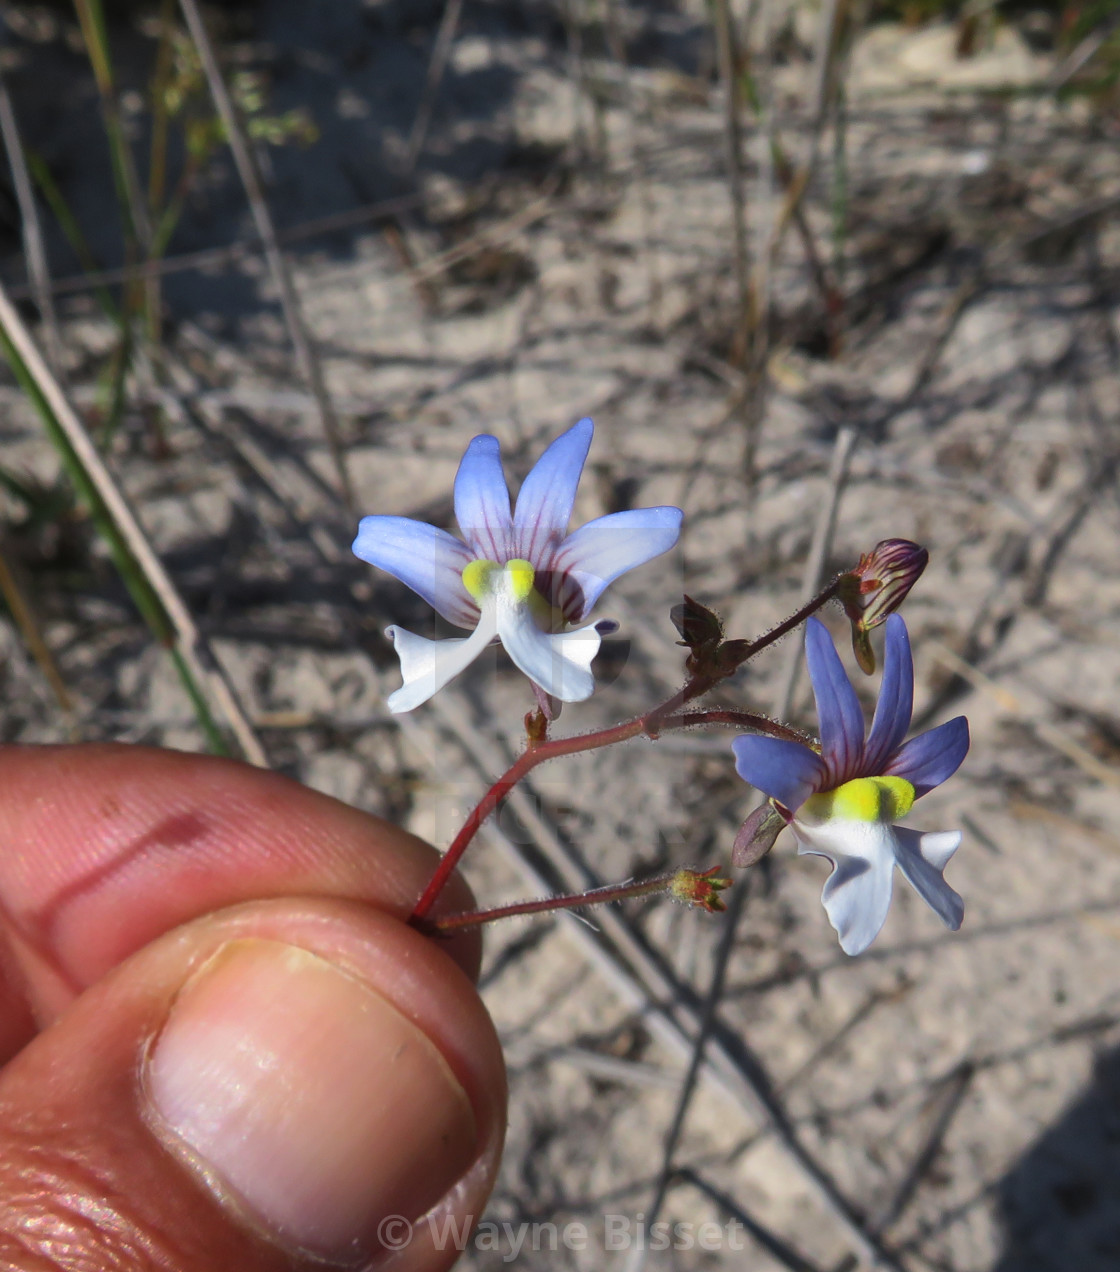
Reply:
x=963 y=1090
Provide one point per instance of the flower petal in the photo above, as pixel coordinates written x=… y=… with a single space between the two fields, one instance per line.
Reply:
x=922 y=857
x=560 y=664
x=786 y=771
x=424 y=558
x=927 y=760
x=896 y=698
x=857 y=895
x=544 y=503
x=482 y=500
x=592 y=557
x=838 y=709
x=427 y=665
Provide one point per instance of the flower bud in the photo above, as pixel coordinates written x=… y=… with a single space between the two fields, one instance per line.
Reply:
x=876 y=588
x=701 y=631
x=700 y=628
x=756 y=835
x=699 y=889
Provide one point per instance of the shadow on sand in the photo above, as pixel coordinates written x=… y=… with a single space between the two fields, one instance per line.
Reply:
x=1060 y=1204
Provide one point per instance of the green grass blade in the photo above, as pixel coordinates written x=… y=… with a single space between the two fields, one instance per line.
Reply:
x=73 y=231
x=143 y=595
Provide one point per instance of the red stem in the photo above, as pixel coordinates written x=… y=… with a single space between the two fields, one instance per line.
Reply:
x=650 y=724
x=666 y=716
x=737 y=720
x=570 y=901
x=787 y=625
x=534 y=754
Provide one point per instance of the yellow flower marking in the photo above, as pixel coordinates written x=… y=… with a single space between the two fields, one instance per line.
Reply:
x=868 y=799
x=521 y=575
x=478 y=578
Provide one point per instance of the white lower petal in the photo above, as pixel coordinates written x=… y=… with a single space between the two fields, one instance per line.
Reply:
x=922 y=857
x=936 y=846
x=560 y=663
x=427 y=665
x=857 y=895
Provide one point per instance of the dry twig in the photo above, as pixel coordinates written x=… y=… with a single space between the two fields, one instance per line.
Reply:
x=309 y=364
x=441 y=52
x=1061 y=741
x=34 y=248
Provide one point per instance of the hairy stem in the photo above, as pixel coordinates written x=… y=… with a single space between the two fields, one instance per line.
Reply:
x=649 y=725
x=542 y=905
x=669 y=715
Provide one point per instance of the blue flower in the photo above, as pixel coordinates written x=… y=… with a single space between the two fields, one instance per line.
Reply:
x=519 y=577
x=842 y=804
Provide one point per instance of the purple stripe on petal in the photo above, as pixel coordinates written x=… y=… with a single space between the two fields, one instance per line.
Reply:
x=927 y=760
x=597 y=553
x=482 y=500
x=569 y=598
x=896 y=698
x=838 y=709
x=544 y=503
x=562 y=592
x=424 y=558
x=786 y=771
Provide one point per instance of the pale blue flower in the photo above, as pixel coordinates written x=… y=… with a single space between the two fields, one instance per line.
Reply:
x=842 y=804
x=516 y=576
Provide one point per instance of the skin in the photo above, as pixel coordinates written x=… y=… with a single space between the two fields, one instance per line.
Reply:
x=122 y=871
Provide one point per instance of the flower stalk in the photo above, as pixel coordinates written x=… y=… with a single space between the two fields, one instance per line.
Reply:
x=650 y=725
x=724 y=658
x=698 y=889
x=518 y=576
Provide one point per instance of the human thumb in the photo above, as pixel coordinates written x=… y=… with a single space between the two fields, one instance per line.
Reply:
x=283 y=1084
